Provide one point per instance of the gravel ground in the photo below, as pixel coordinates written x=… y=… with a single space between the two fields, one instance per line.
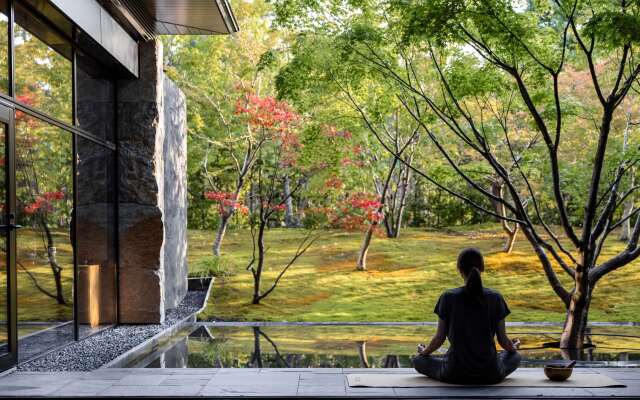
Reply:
x=93 y=352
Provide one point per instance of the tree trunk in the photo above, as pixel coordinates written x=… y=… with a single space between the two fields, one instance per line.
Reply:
x=391 y=361
x=511 y=238
x=290 y=219
x=578 y=311
x=625 y=232
x=403 y=202
x=222 y=229
x=364 y=248
x=366 y=242
x=56 y=269
x=57 y=274
x=382 y=189
x=302 y=203
x=256 y=357
x=389 y=223
x=251 y=199
x=362 y=354
x=203 y=213
x=257 y=278
x=511 y=232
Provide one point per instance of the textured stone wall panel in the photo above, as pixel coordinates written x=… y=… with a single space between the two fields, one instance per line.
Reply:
x=140 y=295
x=141 y=183
x=95 y=103
x=175 y=194
x=153 y=194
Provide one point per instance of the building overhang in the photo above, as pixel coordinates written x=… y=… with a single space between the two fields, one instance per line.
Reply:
x=145 y=19
x=112 y=29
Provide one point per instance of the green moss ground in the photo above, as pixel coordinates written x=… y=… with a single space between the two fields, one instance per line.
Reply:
x=404 y=279
x=33 y=305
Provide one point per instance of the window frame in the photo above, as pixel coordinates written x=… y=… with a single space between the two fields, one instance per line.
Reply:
x=73 y=128
x=75 y=131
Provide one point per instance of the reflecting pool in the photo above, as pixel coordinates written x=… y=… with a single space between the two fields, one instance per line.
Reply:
x=209 y=345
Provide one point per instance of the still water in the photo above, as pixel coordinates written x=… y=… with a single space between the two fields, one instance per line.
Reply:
x=363 y=346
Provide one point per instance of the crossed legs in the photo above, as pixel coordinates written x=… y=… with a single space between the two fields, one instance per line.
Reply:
x=436 y=367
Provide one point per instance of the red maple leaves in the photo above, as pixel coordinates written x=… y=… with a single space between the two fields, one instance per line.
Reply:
x=278 y=207
x=276 y=120
x=357 y=210
x=352 y=213
x=227 y=202
x=266 y=112
x=44 y=202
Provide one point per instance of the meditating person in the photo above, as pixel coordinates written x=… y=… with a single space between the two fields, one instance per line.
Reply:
x=470 y=317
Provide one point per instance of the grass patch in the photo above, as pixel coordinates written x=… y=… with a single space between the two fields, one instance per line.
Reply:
x=405 y=278
x=33 y=305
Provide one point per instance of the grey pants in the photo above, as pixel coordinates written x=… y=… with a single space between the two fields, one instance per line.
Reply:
x=436 y=367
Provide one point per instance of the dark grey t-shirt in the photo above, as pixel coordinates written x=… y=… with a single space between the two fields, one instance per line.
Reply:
x=471 y=329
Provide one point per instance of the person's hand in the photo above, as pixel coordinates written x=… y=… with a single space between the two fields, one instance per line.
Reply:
x=516 y=343
x=421 y=348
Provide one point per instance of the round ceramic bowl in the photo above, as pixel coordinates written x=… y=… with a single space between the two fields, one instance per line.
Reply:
x=556 y=373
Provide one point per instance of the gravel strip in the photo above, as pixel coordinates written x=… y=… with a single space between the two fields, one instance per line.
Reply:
x=93 y=352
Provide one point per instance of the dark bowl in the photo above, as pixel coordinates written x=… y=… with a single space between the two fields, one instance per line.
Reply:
x=556 y=373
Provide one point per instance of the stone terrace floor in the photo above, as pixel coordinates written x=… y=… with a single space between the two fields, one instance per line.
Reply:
x=274 y=383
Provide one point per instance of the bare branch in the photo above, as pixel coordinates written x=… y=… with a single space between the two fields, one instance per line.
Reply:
x=304 y=245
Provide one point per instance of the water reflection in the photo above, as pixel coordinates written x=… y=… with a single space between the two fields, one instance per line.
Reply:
x=256 y=358
x=203 y=346
x=175 y=356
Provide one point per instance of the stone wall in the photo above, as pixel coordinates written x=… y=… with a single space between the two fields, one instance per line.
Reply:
x=152 y=191
x=175 y=194
x=140 y=117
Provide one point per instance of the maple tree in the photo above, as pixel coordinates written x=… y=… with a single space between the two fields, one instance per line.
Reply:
x=264 y=120
x=278 y=159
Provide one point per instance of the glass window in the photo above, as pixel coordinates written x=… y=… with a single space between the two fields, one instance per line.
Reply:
x=4 y=331
x=4 y=48
x=95 y=99
x=43 y=69
x=44 y=199
x=95 y=240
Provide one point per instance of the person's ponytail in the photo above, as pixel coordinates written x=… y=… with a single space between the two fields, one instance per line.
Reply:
x=473 y=286
x=470 y=265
